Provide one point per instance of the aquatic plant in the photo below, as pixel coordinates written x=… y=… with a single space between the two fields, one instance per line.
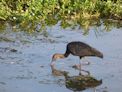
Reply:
x=28 y=14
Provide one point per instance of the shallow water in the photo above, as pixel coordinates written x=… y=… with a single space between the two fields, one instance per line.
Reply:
x=25 y=59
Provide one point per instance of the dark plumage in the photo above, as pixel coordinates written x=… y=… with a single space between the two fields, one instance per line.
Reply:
x=77 y=49
x=81 y=49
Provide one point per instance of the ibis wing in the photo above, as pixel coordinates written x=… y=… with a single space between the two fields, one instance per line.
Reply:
x=79 y=49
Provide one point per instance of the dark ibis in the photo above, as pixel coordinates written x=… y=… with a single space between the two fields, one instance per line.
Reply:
x=77 y=48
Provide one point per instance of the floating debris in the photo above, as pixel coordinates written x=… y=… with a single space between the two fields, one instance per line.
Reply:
x=6 y=39
x=7 y=49
x=13 y=50
x=41 y=66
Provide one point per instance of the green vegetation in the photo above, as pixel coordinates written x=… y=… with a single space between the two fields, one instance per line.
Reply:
x=27 y=14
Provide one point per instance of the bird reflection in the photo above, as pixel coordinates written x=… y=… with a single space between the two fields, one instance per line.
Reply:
x=79 y=82
x=56 y=72
x=77 y=67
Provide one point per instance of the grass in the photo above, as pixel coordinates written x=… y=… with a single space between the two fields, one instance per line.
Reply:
x=27 y=14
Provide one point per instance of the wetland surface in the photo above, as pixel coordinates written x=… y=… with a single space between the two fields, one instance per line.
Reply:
x=25 y=59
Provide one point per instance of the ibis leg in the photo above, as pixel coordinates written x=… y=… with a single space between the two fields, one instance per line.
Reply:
x=80 y=64
x=85 y=61
x=80 y=68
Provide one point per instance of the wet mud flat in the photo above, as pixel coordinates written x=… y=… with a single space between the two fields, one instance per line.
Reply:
x=25 y=60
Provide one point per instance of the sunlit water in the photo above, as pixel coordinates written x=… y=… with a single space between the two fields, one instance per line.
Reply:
x=28 y=69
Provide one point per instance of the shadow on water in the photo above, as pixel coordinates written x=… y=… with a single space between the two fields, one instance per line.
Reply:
x=79 y=82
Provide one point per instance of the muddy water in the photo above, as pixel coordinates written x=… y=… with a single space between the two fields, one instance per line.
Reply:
x=25 y=59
